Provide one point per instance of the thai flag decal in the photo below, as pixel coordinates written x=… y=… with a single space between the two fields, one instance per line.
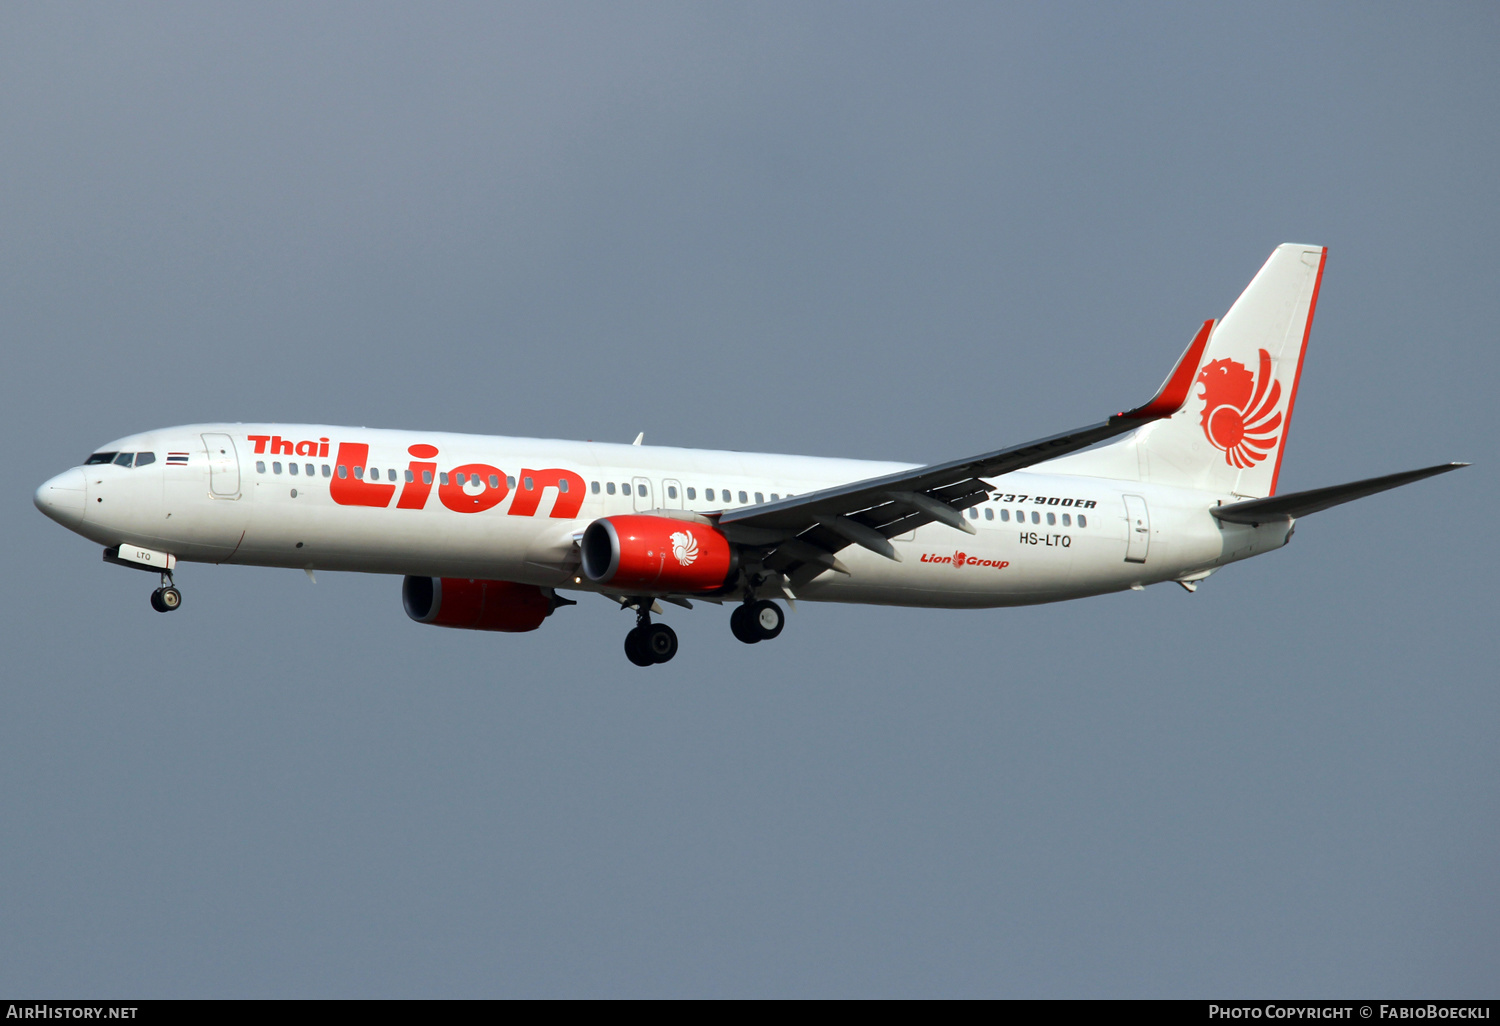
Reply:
x=177 y=459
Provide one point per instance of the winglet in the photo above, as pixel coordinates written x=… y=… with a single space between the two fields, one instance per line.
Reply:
x=1174 y=391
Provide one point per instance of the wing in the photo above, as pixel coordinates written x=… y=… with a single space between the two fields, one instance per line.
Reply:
x=800 y=536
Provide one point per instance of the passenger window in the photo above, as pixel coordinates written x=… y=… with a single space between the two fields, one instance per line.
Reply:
x=460 y=479
x=260 y=466
x=410 y=477
x=1051 y=519
x=775 y=497
x=759 y=497
x=359 y=472
x=609 y=486
x=743 y=498
x=124 y=459
x=562 y=484
x=510 y=480
x=594 y=487
x=310 y=470
x=325 y=470
x=1036 y=518
x=643 y=489
x=625 y=489
x=529 y=485
x=343 y=470
x=1083 y=521
x=291 y=468
x=374 y=474
x=989 y=514
x=443 y=478
x=494 y=482
x=143 y=458
x=390 y=475
x=427 y=477
x=671 y=491
x=1005 y=516
x=973 y=513
x=1067 y=520
x=692 y=493
x=99 y=458
x=276 y=468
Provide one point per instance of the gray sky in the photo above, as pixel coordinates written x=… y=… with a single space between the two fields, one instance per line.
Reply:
x=900 y=231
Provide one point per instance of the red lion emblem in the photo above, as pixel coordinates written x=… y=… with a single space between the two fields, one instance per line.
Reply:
x=959 y=558
x=1230 y=394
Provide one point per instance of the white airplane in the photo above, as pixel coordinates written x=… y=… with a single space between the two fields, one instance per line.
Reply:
x=488 y=530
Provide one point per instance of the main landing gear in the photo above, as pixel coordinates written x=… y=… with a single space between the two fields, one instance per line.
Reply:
x=756 y=620
x=167 y=597
x=648 y=642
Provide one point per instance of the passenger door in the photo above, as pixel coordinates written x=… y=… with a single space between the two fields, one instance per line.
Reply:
x=223 y=466
x=1138 y=528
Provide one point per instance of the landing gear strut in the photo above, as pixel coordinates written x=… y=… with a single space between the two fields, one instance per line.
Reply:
x=167 y=597
x=648 y=642
x=756 y=620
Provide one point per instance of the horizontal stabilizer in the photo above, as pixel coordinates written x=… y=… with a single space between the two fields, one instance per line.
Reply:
x=1300 y=504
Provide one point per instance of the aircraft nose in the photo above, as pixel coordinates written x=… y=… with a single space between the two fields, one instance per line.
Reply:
x=62 y=498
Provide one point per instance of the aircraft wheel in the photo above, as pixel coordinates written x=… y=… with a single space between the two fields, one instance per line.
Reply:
x=741 y=626
x=171 y=598
x=156 y=603
x=635 y=647
x=766 y=618
x=661 y=642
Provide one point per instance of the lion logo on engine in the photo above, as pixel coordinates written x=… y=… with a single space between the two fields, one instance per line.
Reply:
x=684 y=547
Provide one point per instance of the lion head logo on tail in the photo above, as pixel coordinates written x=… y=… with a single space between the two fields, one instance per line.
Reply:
x=1240 y=417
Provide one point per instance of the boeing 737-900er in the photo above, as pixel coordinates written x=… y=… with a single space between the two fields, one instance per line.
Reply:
x=489 y=531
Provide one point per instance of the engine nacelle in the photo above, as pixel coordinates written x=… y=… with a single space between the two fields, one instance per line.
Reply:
x=657 y=554
x=476 y=605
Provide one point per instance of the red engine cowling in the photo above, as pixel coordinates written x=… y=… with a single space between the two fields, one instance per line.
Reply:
x=475 y=605
x=657 y=554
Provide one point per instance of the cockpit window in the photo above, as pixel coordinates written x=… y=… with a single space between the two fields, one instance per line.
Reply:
x=124 y=459
x=100 y=457
x=143 y=458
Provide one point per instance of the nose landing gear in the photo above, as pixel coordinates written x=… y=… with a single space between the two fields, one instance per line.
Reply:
x=756 y=620
x=649 y=643
x=167 y=597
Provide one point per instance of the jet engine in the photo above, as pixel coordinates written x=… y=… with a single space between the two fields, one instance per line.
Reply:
x=650 y=553
x=476 y=605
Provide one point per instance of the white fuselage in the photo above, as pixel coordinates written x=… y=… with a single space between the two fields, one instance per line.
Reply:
x=1042 y=537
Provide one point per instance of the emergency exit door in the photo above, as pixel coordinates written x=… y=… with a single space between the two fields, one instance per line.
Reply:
x=643 y=499
x=1138 y=528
